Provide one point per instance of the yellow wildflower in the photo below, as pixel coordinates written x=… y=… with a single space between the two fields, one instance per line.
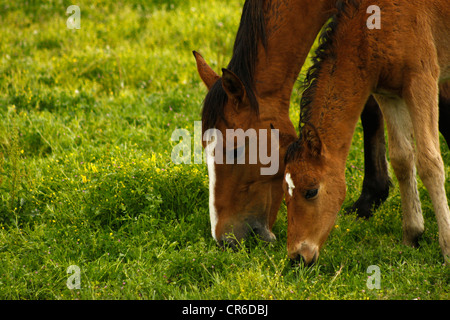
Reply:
x=93 y=168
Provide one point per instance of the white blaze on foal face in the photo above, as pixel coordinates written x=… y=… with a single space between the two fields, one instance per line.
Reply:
x=290 y=183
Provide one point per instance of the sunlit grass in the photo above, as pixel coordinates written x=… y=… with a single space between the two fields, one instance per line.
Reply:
x=87 y=179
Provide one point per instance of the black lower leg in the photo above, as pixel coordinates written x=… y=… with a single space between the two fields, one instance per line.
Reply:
x=444 y=111
x=376 y=182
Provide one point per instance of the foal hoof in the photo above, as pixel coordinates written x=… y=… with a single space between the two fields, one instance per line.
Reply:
x=412 y=240
x=411 y=243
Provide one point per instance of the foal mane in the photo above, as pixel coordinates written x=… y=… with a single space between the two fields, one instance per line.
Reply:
x=324 y=50
x=251 y=29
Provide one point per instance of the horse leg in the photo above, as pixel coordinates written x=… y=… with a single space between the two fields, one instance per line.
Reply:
x=376 y=184
x=444 y=111
x=421 y=97
x=375 y=189
x=401 y=152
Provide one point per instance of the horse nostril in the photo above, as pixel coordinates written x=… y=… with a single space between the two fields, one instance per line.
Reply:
x=228 y=241
x=261 y=231
x=300 y=260
x=305 y=253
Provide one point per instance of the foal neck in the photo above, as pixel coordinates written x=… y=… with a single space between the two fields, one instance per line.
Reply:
x=337 y=101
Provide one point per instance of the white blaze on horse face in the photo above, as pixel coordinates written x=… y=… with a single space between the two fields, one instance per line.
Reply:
x=210 y=161
x=212 y=186
x=290 y=183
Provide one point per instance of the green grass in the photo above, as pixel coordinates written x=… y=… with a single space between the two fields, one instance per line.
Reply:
x=86 y=176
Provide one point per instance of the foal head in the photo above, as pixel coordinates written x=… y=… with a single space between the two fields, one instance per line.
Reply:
x=314 y=192
x=242 y=200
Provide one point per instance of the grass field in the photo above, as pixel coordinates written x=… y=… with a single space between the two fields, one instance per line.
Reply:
x=86 y=176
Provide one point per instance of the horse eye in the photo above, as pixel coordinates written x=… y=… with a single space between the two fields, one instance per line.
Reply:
x=311 y=193
x=238 y=152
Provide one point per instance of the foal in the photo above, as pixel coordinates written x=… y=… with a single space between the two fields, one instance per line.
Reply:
x=401 y=64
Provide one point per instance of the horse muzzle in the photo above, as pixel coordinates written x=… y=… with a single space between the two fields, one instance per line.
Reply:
x=250 y=227
x=305 y=253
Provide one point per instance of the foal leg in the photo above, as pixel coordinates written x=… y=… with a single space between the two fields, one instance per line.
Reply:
x=401 y=152
x=375 y=189
x=421 y=96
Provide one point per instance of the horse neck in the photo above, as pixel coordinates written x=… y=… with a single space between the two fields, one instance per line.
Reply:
x=341 y=92
x=291 y=28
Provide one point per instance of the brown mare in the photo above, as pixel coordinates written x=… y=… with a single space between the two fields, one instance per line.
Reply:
x=272 y=43
x=401 y=64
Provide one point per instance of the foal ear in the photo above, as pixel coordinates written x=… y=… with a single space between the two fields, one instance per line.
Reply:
x=207 y=74
x=233 y=86
x=312 y=140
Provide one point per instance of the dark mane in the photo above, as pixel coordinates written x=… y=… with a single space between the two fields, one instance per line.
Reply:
x=323 y=51
x=245 y=50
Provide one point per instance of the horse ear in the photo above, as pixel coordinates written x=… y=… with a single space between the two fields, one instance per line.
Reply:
x=312 y=140
x=207 y=74
x=233 y=86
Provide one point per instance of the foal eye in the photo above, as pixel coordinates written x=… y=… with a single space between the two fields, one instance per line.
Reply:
x=311 y=193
